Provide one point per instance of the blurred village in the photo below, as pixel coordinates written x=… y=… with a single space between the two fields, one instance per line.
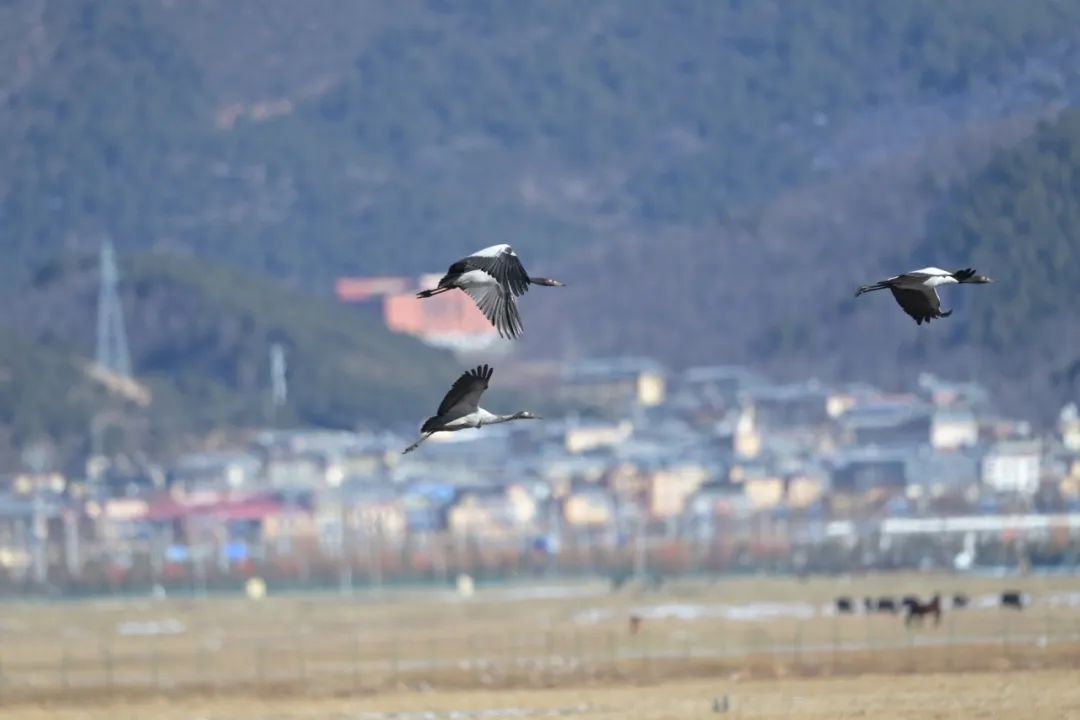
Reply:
x=704 y=470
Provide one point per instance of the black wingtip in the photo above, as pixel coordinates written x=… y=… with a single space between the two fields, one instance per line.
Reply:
x=483 y=372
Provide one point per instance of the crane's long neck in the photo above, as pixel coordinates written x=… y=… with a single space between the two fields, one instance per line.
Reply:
x=871 y=288
x=545 y=281
x=487 y=418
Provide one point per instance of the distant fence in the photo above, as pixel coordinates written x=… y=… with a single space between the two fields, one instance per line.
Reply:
x=338 y=659
x=437 y=558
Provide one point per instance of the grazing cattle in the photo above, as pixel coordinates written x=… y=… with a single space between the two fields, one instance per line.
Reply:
x=916 y=610
x=1012 y=599
x=887 y=604
x=868 y=605
x=959 y=600
x=635 y=624
x=844 y=605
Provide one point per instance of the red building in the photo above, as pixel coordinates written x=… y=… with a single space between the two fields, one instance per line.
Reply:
x=449 y=319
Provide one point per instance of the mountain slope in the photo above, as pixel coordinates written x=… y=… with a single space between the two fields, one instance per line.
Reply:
x=44 y=396
x=775 y=288
x=200 y=338
x=439 y=127
x=711 y=172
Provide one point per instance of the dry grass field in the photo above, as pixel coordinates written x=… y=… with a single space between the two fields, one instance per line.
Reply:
x=1014 y=695
x=773 y=646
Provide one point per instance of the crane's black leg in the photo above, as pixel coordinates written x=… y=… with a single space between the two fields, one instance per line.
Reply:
x=416 y=444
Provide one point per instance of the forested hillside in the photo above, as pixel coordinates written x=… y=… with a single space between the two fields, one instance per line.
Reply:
x=715 y=176
x=437 y=125
x=776 y=288
x=200 y=338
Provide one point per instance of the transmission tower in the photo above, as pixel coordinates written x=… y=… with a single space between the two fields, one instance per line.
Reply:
x=278 y=387
x=112 y=348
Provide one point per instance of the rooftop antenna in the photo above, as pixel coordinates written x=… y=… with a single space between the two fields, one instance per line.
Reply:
x=112 y=348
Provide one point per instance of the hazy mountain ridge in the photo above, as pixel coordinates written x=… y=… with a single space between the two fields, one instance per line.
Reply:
x=200 y=338
x=714 y=199
x=445 y=119
x=775 y=288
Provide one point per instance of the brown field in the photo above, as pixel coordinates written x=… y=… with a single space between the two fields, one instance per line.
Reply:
x=771 y=645
x=1016 y=695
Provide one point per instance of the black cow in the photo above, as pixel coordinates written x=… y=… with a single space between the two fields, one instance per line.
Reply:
x=1012 y=599
x=887 y=604
x=959 y=600
x=844 y=605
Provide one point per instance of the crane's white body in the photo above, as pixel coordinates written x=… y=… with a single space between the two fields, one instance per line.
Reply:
x=474 y=420
x=934 y=276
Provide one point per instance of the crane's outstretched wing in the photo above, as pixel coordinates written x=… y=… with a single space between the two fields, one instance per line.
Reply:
x=464 y=394
x=505 y=267
x=922 y=304
x=498 y=306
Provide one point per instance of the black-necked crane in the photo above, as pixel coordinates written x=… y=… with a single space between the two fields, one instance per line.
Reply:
x=460 y=409
x=493 y=278
x=916 y=291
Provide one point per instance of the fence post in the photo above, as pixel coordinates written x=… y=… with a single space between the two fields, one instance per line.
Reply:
x=952 y=640
x=1005 y=635
x=107 y=657
x=260 y=665
x=835 y=643
x=797 y=644
x=579 y=653
x=646 y=657
x=910 y=648
x=356 y=663
x=1047 y=628
x=433 y=658
x=395 y=662
x=301 y=656
x=549 y=655
x=155 y=660
x=474 y=660
x=202 y=658
x=613 y=652
x=513 y=667
x=64 y=679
